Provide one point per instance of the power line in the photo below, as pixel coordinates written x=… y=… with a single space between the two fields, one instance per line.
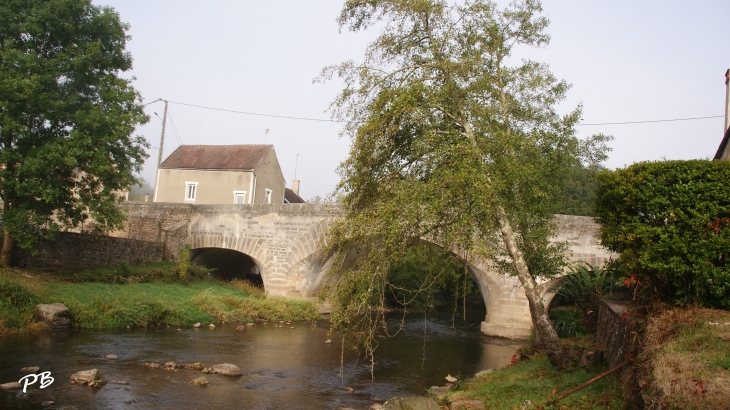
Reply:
x=334 y=121
x=174 y=129
x=650 y=121
x=253 y=113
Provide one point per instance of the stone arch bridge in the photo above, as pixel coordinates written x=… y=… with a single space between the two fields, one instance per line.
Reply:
x=284 y=242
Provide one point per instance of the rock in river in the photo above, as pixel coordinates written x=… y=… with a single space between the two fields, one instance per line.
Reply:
x=200 y=381
x=226 y=369
x=11 y=386
x=32 y=369
x=54 y=315
x=88 y=378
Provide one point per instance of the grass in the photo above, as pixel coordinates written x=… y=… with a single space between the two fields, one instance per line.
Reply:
x=687 y=359
x=98 y=304
x=567 y=322
x=536 y=380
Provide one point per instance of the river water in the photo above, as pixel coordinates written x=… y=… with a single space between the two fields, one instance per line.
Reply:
x=283 y=368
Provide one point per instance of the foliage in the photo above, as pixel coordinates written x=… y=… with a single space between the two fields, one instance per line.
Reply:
x=535 y=380
x=567 y=322
x=184 y=263
x=669 y=221
x=248 y=288
x=66 y=118
x=450 y=144
x=583 y=289
x=579 y=191
x=427 y=277
x=17 y=305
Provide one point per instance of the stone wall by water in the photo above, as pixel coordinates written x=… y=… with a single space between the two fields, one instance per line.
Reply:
x=82 y=251
x=612 y=330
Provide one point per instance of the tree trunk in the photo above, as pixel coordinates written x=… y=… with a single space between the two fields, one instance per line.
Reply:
x=544 y=330
x=7 y=250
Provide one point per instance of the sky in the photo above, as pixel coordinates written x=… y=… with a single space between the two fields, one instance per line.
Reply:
x=626 y=60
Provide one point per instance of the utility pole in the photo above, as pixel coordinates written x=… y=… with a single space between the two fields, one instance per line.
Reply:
x=162 y=136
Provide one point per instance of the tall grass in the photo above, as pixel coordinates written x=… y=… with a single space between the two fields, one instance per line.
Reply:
x=17 y=306
x=167 y=300
x=687 y=359
x=567 y=322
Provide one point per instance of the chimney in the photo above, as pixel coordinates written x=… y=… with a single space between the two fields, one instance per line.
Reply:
x=295 y=184
x=727 y=100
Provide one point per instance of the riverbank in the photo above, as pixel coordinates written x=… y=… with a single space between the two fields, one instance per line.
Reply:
x=138 y=296
x=533 y=379
x=684 y=364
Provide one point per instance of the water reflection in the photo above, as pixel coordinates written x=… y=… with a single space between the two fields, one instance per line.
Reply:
x=283 y=367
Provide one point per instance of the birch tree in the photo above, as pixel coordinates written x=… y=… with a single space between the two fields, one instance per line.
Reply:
x=455 y=140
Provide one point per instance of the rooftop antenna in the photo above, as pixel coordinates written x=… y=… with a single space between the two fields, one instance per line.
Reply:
x=266 y=136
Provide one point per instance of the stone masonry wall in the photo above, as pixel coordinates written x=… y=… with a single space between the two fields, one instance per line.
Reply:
x=82 y=251
x=162 y=223
x=612 y=330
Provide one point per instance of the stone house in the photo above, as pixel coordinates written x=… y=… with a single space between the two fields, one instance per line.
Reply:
x=221 y=174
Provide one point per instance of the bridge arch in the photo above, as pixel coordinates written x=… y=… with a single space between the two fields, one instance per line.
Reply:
x=228 y=264
x=286 y=242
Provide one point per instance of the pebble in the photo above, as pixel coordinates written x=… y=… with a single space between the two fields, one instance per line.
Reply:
x=197 y=325
x=328 y=341
x=200 y=381
x=11 y=386
x=32 y=369
x=111 y=357
x=212 y=326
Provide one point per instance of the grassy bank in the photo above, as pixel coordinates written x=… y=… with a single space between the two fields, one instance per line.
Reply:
x=536 y=380
x=138 y=296
x=686 y=359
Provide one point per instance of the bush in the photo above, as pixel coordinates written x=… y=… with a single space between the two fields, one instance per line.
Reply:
x=17 y=306
x=670 y=222
x=583 y=289
x=184 y=263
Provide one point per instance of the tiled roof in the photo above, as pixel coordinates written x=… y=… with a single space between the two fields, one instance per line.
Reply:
x=244 y=157
x=291 y=197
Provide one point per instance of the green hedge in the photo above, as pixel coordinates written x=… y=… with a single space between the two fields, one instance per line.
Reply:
x=670 y=222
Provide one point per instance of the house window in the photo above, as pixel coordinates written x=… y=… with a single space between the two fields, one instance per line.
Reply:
x=191 y=188
x=239 y=197
x=267 y=198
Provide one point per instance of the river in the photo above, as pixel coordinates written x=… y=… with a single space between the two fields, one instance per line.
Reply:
x=283 y=368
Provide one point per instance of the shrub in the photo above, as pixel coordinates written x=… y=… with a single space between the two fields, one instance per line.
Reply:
x=17 y=306
x=583 y=289
x=670 y=222
x=184 y=263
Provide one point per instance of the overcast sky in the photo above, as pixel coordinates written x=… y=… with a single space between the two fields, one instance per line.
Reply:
x=627 y=61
